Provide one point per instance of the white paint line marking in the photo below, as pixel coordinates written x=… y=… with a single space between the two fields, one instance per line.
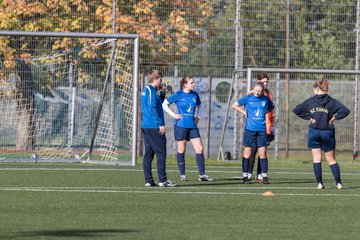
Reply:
x=164 y=191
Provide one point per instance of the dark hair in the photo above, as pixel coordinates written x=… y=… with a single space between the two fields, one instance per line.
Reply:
x=154 y=74
x=185 y=80
x=262 y=76
x=323 y=84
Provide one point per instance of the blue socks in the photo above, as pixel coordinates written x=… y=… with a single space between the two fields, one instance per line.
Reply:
x=200 y=162
x=258 y=170
x=318 y=172
x=180 y=157
x=335 y=169
x=245 y=165
x=264 y=165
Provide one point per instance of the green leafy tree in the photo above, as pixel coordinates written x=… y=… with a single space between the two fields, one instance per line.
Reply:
x=323 y=35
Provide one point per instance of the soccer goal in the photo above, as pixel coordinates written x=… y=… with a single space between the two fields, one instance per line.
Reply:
x=68 y=96
x=290 y=87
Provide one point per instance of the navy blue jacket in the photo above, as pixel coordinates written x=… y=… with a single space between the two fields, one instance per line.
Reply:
x=321 y=108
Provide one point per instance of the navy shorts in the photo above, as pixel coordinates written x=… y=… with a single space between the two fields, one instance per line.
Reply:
x=324 y=139
x=255 y=139
x=181 y=134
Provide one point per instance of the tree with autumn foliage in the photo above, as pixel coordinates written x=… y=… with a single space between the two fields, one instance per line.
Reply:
x=166 y=28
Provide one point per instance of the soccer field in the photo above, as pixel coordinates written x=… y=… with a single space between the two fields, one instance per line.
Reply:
x=83 y=201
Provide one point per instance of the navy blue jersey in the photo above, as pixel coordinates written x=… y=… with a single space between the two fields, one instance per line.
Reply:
x=186 y=104
x=256 y=108
x=321 y=108
x=152 y=112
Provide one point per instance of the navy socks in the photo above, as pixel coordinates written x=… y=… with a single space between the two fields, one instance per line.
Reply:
x=200 y=162
x=180 y=157
x=318 y=172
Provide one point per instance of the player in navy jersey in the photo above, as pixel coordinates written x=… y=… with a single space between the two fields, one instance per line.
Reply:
x=322 y=110
x=153 y=130
x=256 y=107
x=185 y=125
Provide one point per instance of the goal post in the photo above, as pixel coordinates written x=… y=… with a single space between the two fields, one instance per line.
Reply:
x=69 y=96
x=354 y=107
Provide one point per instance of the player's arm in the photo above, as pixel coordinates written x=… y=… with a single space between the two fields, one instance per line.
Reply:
x=165 y=106
x=162 y=92
x=302 y=111
x=270 y=107
x=341 y=111
x=238 y=108
x=199 y=109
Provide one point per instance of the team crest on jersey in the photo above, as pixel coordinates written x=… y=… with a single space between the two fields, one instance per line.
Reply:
x=263 y=103
x=194 y=100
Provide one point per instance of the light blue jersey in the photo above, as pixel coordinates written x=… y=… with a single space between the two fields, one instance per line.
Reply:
x=152 y=112
x=256 y=108
x=186 y=104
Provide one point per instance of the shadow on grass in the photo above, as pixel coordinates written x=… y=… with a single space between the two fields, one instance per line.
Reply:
x=239 y=181
x=89 y=233
x=217 y=182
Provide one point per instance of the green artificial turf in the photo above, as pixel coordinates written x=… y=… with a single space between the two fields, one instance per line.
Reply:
x=84 y=201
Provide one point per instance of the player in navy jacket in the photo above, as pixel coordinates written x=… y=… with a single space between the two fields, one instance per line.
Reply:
x=322 y=110
x=153 y=130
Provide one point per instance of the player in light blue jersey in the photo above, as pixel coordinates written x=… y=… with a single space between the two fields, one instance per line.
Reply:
x=256 y=107
x=185 y=125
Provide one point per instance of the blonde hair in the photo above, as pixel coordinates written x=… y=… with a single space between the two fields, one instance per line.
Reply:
x=322 y=84
x=260 y=84
x=154 y=74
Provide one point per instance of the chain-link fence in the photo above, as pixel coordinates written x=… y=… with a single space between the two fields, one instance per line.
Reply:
x=210 y=39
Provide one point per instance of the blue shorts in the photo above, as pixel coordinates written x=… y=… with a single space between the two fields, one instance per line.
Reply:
x=324 y=139
x=181 y=134
x=255 y=139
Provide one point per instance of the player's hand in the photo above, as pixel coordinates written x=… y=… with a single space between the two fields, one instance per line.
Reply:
x=197 y=119
x=178 y=116
x=331 y=122
x=162 y=130
x=313 y=121
x=270 y=137
x=162 y=88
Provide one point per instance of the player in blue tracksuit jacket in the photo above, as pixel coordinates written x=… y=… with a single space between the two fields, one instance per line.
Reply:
x=153 y=130
x=185 y=125
x=256 y=107
x=322 y=110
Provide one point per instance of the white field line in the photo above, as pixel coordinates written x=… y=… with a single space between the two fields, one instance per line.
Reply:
x=306 y=172
x=42 y=189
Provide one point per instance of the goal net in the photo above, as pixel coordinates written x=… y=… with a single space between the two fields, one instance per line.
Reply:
x=68 y=98
x=290 y=87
